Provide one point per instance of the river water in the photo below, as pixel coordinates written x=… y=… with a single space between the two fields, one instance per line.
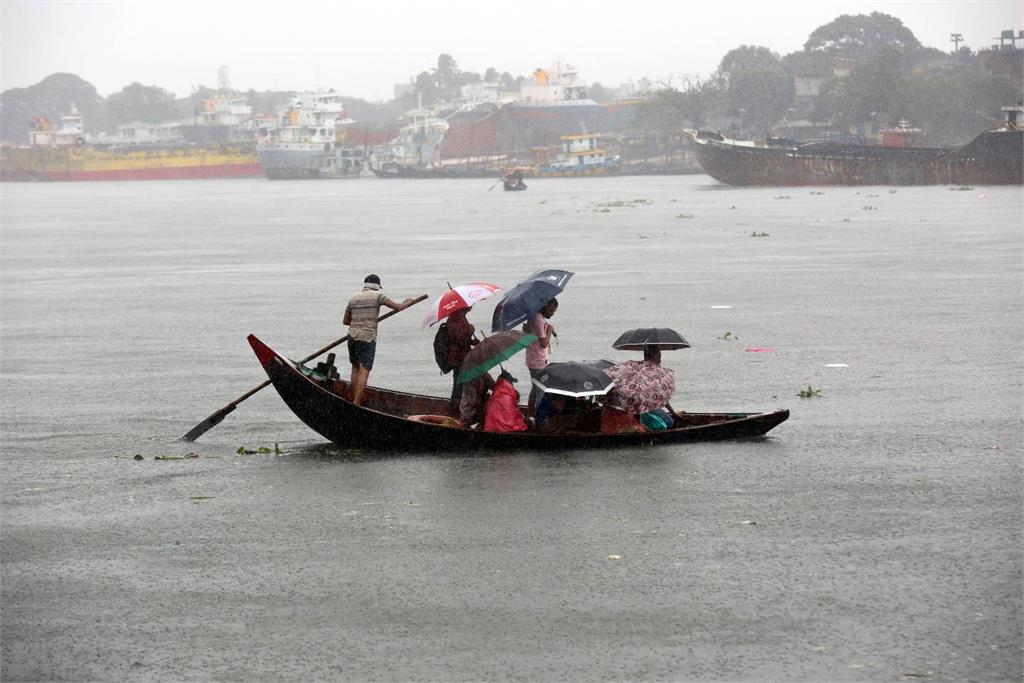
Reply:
x=876 y=535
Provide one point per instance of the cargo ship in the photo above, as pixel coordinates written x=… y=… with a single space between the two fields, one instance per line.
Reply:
x=309 y=140
x=992 y=158
x=66 y=154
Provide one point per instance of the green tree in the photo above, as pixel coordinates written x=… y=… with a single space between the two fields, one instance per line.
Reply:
x=137 y=102
x=51 y=98
x=874 y=92
x=757 y=86
x=669 y=108
x=953 y=107
x=861 y=36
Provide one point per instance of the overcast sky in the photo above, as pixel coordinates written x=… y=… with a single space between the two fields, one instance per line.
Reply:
x=363 y=48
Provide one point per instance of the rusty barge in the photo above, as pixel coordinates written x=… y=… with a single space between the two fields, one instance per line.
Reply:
x=993 y=158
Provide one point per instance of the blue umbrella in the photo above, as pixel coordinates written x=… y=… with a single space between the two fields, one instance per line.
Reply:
x=524 y=300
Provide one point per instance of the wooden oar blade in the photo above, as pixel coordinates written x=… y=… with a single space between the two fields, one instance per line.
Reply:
x=208 y=424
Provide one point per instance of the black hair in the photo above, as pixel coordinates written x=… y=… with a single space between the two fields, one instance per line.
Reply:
x=372 y=278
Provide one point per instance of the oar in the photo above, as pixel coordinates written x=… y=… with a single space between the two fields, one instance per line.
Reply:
x=218 y=416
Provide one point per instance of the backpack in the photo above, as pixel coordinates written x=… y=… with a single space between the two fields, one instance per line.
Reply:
x=442 y=340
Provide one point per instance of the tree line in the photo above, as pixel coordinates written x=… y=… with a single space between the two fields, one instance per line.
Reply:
x=870 y=72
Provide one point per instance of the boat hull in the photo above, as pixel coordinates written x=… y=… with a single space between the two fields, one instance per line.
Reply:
x=993 y=158
x=382 y=424
x=88 y=164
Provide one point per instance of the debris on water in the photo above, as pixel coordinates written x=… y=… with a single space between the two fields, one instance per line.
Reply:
x=759 y=234
x=262 y=450
x=836 y=365
x=817 y=192
x=643 y=236
x=893 y=191
x=615 y=557
x=685 y=215
x=749 y=522
x=138 y=457
x=201 y=497
x=809 y=392
x=868 y=207
x=846 y=220
x=721 y=307
x=758 y=349
x=729 y=336
x=961 y=188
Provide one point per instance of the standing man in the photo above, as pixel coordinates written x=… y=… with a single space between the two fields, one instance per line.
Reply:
x=361 y=317
x=538 y=352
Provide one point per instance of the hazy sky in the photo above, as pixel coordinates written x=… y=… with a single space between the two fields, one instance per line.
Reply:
x=362 y=48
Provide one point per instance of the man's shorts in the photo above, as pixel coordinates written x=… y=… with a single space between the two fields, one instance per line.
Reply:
x=362 y=353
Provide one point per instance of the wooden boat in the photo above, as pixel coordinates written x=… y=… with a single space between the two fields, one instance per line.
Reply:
x=383 y=421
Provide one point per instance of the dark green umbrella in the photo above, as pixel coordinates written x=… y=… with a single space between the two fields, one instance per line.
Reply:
x=492 y=351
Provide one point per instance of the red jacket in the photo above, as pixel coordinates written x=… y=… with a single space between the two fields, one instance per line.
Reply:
x=503 y=413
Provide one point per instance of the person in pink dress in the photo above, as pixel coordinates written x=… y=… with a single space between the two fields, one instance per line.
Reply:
x=538 y=353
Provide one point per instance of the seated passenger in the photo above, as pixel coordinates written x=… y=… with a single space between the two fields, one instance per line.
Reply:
x=503 y=413
x=473 y=403
x=560 y=414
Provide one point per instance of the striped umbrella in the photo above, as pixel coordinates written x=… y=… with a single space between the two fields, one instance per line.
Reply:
x=492 y=351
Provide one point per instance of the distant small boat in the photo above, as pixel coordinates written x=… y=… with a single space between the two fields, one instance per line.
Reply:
x=992 y=158
x=385 y=420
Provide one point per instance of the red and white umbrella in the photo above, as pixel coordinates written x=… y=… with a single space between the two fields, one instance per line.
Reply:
x=457 y=298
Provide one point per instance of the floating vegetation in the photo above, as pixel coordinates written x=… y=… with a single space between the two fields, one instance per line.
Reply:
x=201 y=497
x=961 y=188
x=685 y=215
x=809 y=392
x=262 y=450
x=759 y=234
x=729 y=336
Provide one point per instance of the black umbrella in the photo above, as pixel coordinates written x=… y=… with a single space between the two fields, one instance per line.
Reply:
x=662 y=338
x=524 y=300
x=573 y=379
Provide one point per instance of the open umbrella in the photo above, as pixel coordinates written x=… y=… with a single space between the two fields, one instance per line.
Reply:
x=457 y=298
x=573 y=379
x=640 y=386
x=662 y=338
x=524 y=300
x=493 y=350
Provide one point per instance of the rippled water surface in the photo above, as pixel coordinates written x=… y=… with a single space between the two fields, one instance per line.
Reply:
x=874 y=535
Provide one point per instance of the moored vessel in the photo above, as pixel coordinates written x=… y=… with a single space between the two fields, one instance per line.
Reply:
x=67 y=154
x=308 y=141
x=992 y=158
